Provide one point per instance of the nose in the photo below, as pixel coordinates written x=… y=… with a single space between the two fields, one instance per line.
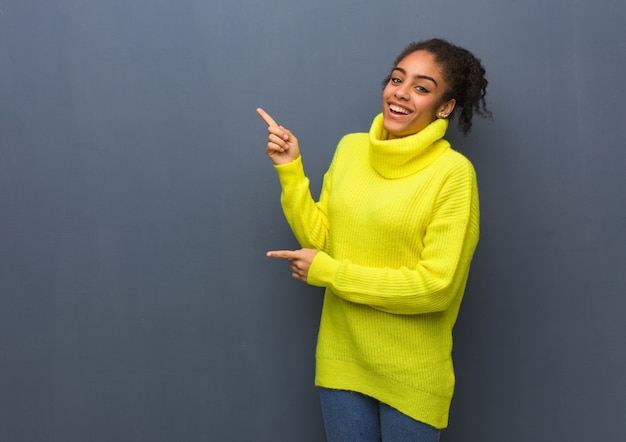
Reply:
x=401 y=92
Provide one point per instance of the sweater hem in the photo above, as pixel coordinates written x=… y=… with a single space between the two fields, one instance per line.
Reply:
x=420 y=405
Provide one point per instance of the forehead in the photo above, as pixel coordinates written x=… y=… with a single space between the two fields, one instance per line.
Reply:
x=421 y=63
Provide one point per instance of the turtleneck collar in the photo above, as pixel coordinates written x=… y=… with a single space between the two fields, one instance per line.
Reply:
x=401 y=157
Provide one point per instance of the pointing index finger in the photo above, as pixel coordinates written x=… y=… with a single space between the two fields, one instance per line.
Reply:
x=280 y=254
x=266 y=117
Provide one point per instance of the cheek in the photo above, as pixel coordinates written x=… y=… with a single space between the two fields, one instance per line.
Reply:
x=386 y=93
x=428 y=106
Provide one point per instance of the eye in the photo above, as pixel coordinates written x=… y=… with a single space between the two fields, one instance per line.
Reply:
x=421 y=89
x=395 y=80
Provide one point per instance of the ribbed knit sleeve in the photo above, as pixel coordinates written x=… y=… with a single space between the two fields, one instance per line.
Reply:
x=441 y=267
x=307 y=219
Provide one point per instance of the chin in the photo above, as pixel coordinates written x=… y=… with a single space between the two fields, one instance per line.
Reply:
x=394 y=132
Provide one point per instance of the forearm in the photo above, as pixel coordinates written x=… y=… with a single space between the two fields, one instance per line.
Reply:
x=426 y=283
x=306 y=218
x=401 y=291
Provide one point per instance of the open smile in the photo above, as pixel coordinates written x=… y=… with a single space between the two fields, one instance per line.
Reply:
x=399 y=110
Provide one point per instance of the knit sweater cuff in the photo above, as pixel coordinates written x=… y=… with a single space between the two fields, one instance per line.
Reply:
x=290 y=172
x=322 y=271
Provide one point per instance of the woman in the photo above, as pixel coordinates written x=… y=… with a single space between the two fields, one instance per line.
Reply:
x=391 y=239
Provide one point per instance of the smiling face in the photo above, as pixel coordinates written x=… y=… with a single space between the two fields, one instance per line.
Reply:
x=414 y=95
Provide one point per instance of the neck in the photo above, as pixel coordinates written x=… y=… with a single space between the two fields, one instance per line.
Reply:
x=398 y=157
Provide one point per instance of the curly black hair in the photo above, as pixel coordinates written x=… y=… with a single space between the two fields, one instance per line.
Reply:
x=464 y=74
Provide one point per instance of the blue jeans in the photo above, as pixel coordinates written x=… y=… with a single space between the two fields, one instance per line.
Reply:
x=354 y=417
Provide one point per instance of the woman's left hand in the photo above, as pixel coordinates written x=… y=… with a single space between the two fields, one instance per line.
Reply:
x=299 y=261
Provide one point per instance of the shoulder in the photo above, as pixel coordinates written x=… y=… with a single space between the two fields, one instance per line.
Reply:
x=351 y=144
x=354 y=140
x=455 y=170
x=457 y=163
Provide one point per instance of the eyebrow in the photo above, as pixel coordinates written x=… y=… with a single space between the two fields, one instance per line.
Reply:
x=423 y=77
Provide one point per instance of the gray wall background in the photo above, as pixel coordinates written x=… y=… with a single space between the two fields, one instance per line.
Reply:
x=136 y=205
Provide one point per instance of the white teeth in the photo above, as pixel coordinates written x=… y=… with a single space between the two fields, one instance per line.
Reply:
x=398 y=109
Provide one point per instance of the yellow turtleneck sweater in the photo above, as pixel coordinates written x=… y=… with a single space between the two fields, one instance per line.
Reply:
x=396 y=224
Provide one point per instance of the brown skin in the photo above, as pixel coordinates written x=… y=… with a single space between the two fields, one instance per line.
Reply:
x=282 y=146
x=414 y=96
x=299 y=261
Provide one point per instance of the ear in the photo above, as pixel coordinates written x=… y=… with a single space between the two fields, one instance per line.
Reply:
x=447 y=107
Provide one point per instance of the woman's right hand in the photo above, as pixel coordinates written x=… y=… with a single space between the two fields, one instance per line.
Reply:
x=282 y=146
